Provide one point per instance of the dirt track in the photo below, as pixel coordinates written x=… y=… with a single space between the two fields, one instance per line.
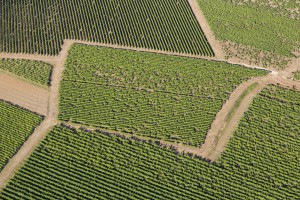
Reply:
x=24 y=94
x=47 y=59
x=50 y=121
x=214 y=144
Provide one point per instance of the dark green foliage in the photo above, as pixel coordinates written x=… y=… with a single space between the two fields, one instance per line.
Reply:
x=34 y=26
x=71 y=164
x=37 y=72
x=16 y=125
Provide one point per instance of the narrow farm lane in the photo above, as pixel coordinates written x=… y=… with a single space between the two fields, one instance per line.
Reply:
x=36 y=57
x=221 y=131
x=211 y=149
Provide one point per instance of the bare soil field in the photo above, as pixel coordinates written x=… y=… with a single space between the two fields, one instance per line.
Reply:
x=24 y=94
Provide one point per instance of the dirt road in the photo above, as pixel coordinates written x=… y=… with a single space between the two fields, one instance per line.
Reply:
x=36 y=57
x=212 y=147
x=50 y=120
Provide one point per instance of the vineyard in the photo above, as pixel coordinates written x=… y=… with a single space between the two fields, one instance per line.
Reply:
x=162 y=97
x=72 y=164
x=16 y=125
x=257 y=27
x=266 y=145
x=37 y=72
x=257 y=32
x=34 y=26
x=290 y=9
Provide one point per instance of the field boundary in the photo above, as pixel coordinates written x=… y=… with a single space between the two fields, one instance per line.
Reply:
x=49 y=121
x=209 y=150
x=215 y=44
x=23 y=93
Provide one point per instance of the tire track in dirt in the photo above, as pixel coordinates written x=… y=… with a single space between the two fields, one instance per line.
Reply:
x=36 y=57
x=221 y=130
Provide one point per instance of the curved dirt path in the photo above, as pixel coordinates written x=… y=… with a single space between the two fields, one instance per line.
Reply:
x=221 y=130
x=211 y=149
x=50 y=120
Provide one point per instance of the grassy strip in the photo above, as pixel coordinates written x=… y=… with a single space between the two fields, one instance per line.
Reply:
x=239 y=101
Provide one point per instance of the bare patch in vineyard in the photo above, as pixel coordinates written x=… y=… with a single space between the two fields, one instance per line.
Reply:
x=24 y=94
x=250 y=55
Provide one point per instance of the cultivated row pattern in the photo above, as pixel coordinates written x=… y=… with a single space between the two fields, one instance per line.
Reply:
x=71 y=164
x=34 y=26
x=164 y=97
x=266 y=147
x=16 y=125
x=38 y=72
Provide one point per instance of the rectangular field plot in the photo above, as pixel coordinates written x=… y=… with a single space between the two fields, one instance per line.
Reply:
x=163 y=97
x=16 y=125
x=34 y=26
x=71 y=164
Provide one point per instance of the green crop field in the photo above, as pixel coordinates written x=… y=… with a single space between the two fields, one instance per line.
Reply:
x=71 y=164
x=163 y=97
x=138 y=104
x=266 y=144
x=290 y=8
x=267 y=36
x=41 y=26
x=16 y=125
x=37 y=72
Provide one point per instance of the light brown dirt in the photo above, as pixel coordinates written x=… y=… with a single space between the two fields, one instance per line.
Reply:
x=293 y=67
x=239 y=53
x=218 y=137
x=24 y=94
x=214 y=146
x=49 y=122
x=215 y=44
x=47 y=59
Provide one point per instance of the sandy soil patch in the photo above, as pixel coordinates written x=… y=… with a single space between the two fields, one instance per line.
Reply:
x=24 y=94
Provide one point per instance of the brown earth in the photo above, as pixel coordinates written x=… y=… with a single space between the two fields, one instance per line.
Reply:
x=51 y=116
x=36 y=57
x=24 y=94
